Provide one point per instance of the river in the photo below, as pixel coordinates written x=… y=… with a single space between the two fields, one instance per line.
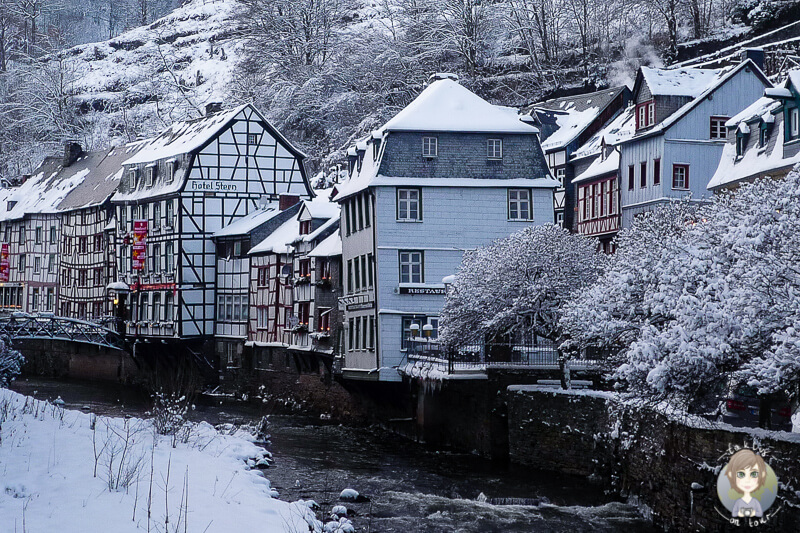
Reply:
x=411 y=488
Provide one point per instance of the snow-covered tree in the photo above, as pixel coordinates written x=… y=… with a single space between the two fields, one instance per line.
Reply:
x=516 y=285
x=716 y=299
x=10 y=362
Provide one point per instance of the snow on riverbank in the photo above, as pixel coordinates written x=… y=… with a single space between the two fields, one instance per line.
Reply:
x=48 y=457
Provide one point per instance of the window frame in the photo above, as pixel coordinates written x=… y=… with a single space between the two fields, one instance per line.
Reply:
x=657 y=171
x=494 y=149
x=720 y=130
x=429 y=142
x=410 y=262
x=685 y=168
x=408 y=204
x=643 y=174
x=518 y=201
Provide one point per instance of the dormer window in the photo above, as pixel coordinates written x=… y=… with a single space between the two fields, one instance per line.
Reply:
x=763 y=135
x=151 y=175
x=171 y=165
x=494 y=149
x=305 y=227
x=794 y=123
x=430 y=147
x=645 y=114
x=132 y=174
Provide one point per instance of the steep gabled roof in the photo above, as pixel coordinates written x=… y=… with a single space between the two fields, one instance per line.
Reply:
x=446 y=105
x=718 y=80
x=249 y=222
x=279 y=241
x=621 y=128
x=677 y=82
x=105 y=171
x=43 y=191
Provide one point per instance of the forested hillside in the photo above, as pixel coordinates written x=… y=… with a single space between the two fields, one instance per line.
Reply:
x=324 y=71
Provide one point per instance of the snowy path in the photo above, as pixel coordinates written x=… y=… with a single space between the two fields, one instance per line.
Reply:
x=47 y=481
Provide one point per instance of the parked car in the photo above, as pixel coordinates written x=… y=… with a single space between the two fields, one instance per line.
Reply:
x=742 y=408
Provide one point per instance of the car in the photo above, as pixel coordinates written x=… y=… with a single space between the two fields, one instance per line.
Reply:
x=742 y=408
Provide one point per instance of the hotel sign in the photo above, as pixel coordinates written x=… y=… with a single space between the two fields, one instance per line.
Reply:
x=215 y=186
x=361 y=306
x=139 y=254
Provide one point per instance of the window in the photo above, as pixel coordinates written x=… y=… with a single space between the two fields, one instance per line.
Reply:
x=237 y=308
x=39 y=235
x=561 y=174
x=324 y=321
x=22 y=235
x=170 y=214
x=680 y=176
x=367 y=200
x=430 y=147
x=155 y=258
x=51 y=299
x=643 y=174
x=252 y=138
x=98 y=276
x=305 y=268
x=409 y=206
x=645 y=114
x=364 y=270
x=144 y=308
x=763 y=135
x=229 y=308
x=51 y=263
x=357 y=273
x=151 y=175
x=22 y=263
x=83 y=278
x=156 y=215
x=560 y=219
x=360 y=211
x=349 y=275
x=494 y=149
x=123 y=215
x=350 y=330
x=132 y=178
x=220 y=307
x=171 y=165
x=718 y=127
x=35 y=300
x=237 y=248
x=421 y=321
x=82 y=244
x=370 y=267
x=519 y=204
x=53 y=235
x=7 y=237
x=794 y=123
x=146 y=212
x=245 y=308
x=37 y=264
x=98 y=243
x=656 y=171
x=631 y=177
x=262 y=277
x=303 y=310
x=261 y=318
x=741 y=143
x=157 y=307
x=411 y=267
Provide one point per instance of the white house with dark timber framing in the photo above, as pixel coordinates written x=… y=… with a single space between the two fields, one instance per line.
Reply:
x=447 y=174
x=680 y=131
x=188 y=183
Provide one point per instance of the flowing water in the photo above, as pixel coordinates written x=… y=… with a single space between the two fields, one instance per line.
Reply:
x=410 y=488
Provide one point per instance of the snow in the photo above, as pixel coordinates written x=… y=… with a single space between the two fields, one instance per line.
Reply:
x=118 y=286
x=599 y=167
x=41 y=193
x=755 y=110
x=778 y=92
x=321 y=205
x=183 y=137
x=753 y=162
x=248 y=223
x=349 y=495
x=621 y=128
x=48 y=481
x=744 y=128
x=570 y=125
x=279 y=240
x=320 y=230
x=446 y=105
x=689 y=82
x=330 y=247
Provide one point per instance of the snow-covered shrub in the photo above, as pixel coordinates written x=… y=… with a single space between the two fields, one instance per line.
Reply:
x=517 y=284
x=169 y=412
x=691 y=300
x=11 y=362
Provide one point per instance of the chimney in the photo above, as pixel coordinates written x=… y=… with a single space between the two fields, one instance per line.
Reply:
x=754 y=54
x=213 y=107
x=287 y=200
x=72 y=151
x=443 y=76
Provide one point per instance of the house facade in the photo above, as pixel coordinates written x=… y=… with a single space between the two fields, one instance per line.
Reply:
x=447 y=174
x=177 y=190
x=764 y=139
x=680 y=133
x=566 y=124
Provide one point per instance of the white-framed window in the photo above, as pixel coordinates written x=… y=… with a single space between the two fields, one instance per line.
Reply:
x=237 y=308
x=409 y=204
x=229 y=308
x=123 y=218
x=132 y=175
x=763 y=135
x=169 y=307
x=170 y=221
x=494 y=149
x=430 y=147
x=560 y=219
x=794 y=122
x=717 y=127
x=561 y=176
x=37 y=264
x=157 y=307
x=169 y=260
x=151 y=175
x=252 y=138
x=155 y=258
x=645 y=114
x=680 y=176
x=411 y=266
x=51 y=263
x=35 y=300
x=171 y=167
x=261 y=317
x=156 y=215
x=51 y=299
x=39 y=235
x=519 y=204
x=53 y=235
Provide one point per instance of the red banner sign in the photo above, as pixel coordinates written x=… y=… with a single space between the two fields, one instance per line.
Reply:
x=4 y=267
x=139 y=252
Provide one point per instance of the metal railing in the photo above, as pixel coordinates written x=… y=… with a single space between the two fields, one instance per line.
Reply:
x=533 y=353
x=49 y=326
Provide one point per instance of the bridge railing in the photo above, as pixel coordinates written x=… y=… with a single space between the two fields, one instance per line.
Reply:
x=49 y=326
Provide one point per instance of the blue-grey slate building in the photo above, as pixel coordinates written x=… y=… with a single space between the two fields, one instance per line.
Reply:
x=449 y=173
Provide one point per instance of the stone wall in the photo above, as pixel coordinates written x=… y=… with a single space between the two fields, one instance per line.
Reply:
x=636 y=451
x=61 y=359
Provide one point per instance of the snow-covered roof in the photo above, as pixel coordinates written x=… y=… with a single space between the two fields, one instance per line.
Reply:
x=279 y=241
x=754 y=111
x=42 y=192
x=621 y=128
x=248 y=223
x=680 y=81
x=329 y=247
x=321 y=205
x=183 y=137
x=353 y=186
x=752 y=163
x=101 y=182
x=446 y=105
x=599 y=167
x=778 y=92
x=573 y=114
x=325 y=226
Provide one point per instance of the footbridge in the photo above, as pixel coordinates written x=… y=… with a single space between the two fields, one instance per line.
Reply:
x=52 y=327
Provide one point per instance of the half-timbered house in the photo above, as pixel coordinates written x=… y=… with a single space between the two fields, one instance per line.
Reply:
x=566 y=124
x=177 y=191
x=449 y=173
x=764 y=139
x=233 y=244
